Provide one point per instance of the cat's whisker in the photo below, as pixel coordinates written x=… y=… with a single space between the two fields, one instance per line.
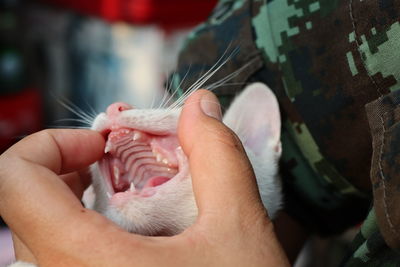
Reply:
x=205 y=77
x=153 y=100
x=74 y=120
x=197 y=85
x=67 y=104
x=212 y=70
x=169 y=83
x=183 y=79
x=213 y=102
x=229 y=77
x=165 y=94
x=212 y=86
x=76 y=110
x=177 y=89
x=92 y=113
x=162 y=102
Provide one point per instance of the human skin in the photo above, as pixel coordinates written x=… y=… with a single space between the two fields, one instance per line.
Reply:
x=43 y=177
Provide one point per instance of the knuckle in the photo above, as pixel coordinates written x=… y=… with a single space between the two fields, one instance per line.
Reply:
x=36 y=137
x=42 y=137
x=43 y=134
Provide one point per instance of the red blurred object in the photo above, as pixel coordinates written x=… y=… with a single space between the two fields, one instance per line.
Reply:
x=167 y=13
x=20 y=114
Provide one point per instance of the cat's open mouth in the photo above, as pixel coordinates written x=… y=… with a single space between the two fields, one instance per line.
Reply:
x=136 y=162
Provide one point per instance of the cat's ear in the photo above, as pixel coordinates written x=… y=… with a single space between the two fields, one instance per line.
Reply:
x=254 y=116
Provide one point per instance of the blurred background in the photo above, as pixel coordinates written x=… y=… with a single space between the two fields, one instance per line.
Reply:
x=87 y=54
x=84 y=54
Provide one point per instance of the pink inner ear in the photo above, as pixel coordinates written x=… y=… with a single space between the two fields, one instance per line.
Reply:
x=256 y=138
x=254 y=116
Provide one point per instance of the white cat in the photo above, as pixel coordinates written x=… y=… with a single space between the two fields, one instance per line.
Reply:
x=143 y=181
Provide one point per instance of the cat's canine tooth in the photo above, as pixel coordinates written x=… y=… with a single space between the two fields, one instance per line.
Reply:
x=132 y=187
x=107 y=148
x=158 y=158
x=116 y=174
x=108 y=195
x=137 y=136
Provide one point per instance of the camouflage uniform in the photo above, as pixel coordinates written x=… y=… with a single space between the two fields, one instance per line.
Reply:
x=325 y=60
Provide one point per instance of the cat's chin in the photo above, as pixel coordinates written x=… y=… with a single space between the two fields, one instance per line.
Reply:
x=168 y=211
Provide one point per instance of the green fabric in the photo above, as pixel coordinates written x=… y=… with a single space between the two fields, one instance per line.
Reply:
x=368 y=247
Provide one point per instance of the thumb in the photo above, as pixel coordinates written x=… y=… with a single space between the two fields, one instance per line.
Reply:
x=222 y=176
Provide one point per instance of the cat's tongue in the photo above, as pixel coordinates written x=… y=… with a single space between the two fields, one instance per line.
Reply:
x=156 y=181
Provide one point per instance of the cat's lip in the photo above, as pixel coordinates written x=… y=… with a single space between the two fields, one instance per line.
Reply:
x=104 y=126
x=137 y=161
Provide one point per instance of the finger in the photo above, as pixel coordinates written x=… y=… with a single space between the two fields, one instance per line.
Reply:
x=22 y=252
x=33 y=197
x=77 y=181
x=61 y=151
x=29 y=165
x=223 y=179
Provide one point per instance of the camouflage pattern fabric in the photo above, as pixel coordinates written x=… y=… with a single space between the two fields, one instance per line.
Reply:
x=325 y=60
x=383 y=115
x=369 y=248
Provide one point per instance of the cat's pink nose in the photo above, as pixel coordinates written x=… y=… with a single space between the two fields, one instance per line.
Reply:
x=115 y=108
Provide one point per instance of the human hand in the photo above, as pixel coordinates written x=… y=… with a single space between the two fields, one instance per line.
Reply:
x=40 y=191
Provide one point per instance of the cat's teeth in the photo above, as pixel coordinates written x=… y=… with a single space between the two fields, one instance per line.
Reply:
x=136 y=136
x=132 y=187
x=107 y=148
x=160 y=157
x=116 y=174
x=108 y=195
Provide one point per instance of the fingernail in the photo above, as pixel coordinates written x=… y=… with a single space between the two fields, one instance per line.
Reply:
x=210 y=106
